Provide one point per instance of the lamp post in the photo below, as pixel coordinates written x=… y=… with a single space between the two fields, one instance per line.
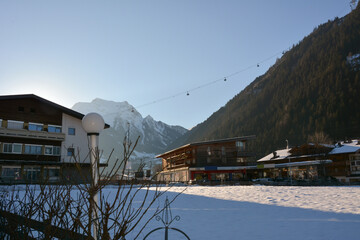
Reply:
x=290 y=172
x=93 y=123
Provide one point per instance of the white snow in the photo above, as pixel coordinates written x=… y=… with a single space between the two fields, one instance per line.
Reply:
x=122 y=116
x=280 y=154
x=111 y=111
x=257 y=212
x=353 y=58
x=346 y=147
x=265 y=212
x=354 y=61
x=330 y=199
x=143 y=155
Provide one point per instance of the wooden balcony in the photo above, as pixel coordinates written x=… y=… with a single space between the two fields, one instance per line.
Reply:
x=177 y=166
x=23 y=133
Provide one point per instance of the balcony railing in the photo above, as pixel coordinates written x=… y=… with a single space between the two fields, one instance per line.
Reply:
x=15 y=125
x=23 y=133
x=168 y=167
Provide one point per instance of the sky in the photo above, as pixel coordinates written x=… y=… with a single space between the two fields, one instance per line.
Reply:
x=168 y=59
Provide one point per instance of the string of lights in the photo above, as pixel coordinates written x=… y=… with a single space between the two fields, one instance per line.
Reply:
x=223 y=79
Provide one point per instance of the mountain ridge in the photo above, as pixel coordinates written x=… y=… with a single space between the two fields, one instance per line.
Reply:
x=125 y=120
x=313 y=87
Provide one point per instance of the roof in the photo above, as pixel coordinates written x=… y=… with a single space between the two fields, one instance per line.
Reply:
x=223 y=140
x=352 y=146
x=209 y=142
x=43 y=100
x=279 y=155
x=297 y=164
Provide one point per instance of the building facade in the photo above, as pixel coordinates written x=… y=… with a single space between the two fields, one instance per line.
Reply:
x=41 y=140
x=313 y=162
x=216 y=160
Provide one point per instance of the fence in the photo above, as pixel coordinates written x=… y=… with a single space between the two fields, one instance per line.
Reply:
x=14 y=226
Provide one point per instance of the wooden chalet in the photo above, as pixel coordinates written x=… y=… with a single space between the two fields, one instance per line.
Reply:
x=216 y=160
x=313 y=162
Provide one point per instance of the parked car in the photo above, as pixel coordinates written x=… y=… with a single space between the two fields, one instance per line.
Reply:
x=263 y=180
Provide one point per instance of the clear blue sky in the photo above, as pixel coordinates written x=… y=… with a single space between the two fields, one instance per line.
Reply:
x=143 y=51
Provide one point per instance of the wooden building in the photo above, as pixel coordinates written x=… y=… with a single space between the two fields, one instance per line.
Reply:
x=216 y=160
x=313 y=162
x=40 y=140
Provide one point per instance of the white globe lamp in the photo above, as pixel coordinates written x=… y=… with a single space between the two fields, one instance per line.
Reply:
x=93 y=123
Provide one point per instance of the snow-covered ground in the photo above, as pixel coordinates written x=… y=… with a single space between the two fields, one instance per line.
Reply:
x=264 y=212
x=256 y=212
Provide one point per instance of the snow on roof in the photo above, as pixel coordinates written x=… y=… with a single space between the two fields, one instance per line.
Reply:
x=346 y=147
x=280 y=154
x=351 y=146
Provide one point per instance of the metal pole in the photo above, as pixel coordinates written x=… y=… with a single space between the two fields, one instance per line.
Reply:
x=290 y=173
x=95 y=177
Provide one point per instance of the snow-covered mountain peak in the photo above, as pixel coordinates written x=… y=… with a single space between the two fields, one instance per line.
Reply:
x=123 y=117
x=108 y=107
x=111 y=111
x=125 y=120
x=149 y=118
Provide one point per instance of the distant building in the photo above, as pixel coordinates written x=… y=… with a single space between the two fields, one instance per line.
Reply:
x=311 y=162
x=216 y=160
x=40 y=140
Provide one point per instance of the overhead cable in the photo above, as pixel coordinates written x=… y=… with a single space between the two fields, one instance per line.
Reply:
x=223 y=79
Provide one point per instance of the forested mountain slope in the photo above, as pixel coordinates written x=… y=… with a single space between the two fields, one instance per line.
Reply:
x=314 y=87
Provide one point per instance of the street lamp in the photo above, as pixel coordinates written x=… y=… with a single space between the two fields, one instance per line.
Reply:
x=93 y=123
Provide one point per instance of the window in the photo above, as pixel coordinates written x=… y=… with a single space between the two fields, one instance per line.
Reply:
x=240 y=145
x=240 y=160
x=33 y=149
x=54 y=129
x=12 y=148
x=32 y=173
x=0 y=123
x=70 y=152
x=56 y=151
x=52 y=150
x=35 y=127
x=71 y=131
x=17 y=148
x=15 y=124
x=355 y=164
x=48 y=150
x=7 y=148
x=52 y=173
x=11 y=173
x=223 y=151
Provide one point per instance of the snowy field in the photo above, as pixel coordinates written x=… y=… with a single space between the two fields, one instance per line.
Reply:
x=265 y=212
x=258 y=212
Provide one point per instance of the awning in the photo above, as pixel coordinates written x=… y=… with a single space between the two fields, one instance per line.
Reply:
x=297 y=164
